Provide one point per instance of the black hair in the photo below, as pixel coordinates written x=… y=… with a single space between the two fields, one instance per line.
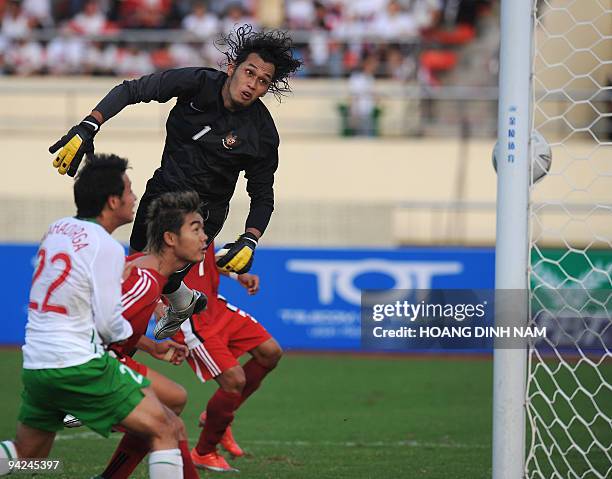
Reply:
x=274 y=46
x=167 y=213
x=98 y=179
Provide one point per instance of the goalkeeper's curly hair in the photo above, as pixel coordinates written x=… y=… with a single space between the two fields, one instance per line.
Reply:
x=274 y=46
x=167 y=213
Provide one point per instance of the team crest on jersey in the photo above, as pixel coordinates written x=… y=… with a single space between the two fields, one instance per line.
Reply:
x=230 y=141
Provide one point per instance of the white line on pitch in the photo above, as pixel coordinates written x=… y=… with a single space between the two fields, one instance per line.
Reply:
x=77 y=435
x=410 y=443
x=263 y=442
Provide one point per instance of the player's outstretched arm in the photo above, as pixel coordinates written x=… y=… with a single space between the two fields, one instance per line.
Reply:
x=159 y=87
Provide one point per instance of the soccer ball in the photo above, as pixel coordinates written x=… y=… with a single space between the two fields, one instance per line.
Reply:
x=541 y=157
x=71 y=421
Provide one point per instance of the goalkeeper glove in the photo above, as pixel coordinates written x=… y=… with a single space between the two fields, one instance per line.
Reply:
x=237 y=257
x=74 y=144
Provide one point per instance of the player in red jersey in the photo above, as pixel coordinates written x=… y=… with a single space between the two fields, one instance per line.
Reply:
x=176 y=237
x=216 y=339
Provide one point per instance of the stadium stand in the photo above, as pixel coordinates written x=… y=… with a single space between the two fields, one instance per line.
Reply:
x=135 y=37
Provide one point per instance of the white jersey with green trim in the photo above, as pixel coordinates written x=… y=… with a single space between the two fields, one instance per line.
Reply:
x=75 y=298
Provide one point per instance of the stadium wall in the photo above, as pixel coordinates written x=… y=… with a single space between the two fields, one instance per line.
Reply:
x=331 y=191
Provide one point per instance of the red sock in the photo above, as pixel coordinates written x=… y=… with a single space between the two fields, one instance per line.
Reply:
x=254 y=374
x=189 y=470
x=219 y=414
x=131 y=450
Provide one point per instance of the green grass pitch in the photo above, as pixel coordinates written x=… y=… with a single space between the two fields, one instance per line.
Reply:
x=324 y=416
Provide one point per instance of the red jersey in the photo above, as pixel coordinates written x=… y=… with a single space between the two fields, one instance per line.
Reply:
x=204 y=277
x=141 y=292
x=205 y=274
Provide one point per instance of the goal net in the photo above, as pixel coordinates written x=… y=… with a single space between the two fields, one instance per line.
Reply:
x=569 y=377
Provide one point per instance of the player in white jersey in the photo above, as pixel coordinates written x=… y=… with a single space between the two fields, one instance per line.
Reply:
x=73 y=308
x=74 y=312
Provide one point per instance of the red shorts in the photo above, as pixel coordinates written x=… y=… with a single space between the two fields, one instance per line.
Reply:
x=220 y=351
x=133 y=364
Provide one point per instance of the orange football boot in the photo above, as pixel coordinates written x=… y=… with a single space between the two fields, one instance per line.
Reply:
x=212 y=461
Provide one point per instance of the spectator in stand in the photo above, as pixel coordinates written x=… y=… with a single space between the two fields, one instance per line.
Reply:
x=133 y=62
x=66 y=53
x=397 y=65
x=350 y=31
x=300 y=14
x=210 y=55
x=363 y=9
x=236 y=15
x=184 y=55
x=341 y=32
x=426 y=12
x=26 y=57
x=456 y=21
x=161 y=58
x=144 y=13
x=39 y=12
x=93 y=59
x=311 y=15
x=219 y=7
x=467 y=12
x=350 y=27
x=336 y=56
x=394 y=23
x=201 y=22
x=179 y=9
x=15 y=23
x=110 y=58
x=323 y=18
x=4 y=44
x=91 y=21
x=318 y=48
x=363 y=102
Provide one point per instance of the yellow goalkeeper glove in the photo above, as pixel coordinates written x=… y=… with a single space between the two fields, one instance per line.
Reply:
x=237 y=257
x=74 y=145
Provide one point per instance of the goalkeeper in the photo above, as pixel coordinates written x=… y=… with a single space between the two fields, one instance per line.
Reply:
x=217 y=128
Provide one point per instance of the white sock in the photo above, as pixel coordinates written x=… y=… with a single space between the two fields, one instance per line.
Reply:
x=7 y=452
x=166 y=464
x=181 y=298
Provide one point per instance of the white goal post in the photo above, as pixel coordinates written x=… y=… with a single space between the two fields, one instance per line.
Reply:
x=512 y=246
x=552 y=400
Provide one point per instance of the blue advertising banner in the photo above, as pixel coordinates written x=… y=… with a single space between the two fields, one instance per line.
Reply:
x=309 y=298
x=18 y=261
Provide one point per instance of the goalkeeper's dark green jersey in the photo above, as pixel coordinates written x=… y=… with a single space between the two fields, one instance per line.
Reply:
x=207 y=146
